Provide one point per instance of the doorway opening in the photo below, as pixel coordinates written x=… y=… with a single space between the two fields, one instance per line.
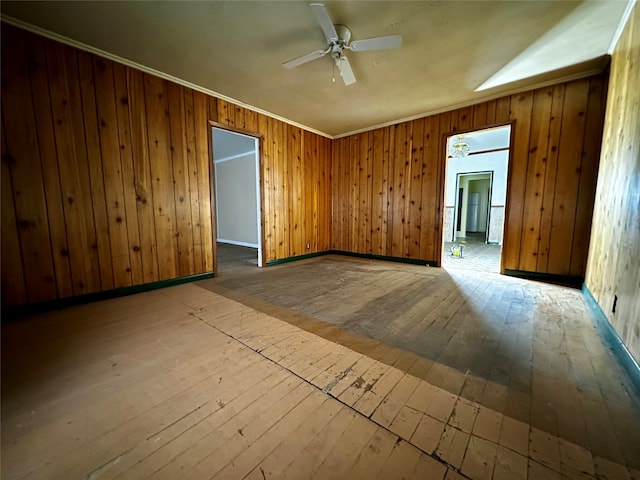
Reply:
x=475 y=197
x=236 y=162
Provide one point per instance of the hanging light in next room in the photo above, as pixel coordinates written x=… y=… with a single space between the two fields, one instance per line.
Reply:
x=459 y=148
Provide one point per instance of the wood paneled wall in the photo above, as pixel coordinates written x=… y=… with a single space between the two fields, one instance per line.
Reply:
x=613 y=270
x=388 y=184
x=106 y=175
x=296 y=183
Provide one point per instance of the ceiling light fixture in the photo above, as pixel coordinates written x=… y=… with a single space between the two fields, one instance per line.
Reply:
x=459 y=148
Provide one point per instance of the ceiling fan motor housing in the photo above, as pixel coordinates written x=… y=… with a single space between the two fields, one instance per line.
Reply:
x=344 y=34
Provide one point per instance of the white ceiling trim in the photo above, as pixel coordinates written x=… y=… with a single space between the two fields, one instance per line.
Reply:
x=124 y=61
x=623 y=23
x=478 y=100
x=88 y=48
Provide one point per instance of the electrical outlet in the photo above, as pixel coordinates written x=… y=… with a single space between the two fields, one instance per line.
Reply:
x=308 y=245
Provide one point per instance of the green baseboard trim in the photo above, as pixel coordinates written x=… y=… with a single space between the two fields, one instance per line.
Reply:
x=412 y=261
x=11 y=313
x=280 y=261
x=613 y=340
x=566 y=280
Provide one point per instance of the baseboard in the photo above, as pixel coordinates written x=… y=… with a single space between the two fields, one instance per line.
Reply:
x=412 y=261
x=12 y=313
x=566 y=280
x=280 y=261
x=613 y=340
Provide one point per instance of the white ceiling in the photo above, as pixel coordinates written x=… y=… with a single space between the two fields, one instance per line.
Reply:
x=235 y=49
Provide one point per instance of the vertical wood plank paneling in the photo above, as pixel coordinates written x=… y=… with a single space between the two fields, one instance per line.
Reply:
x=613 y=271
x=162 y=176
x=23 y=161
x=14 y=291
x=364 y=201
x=266 y=148
x=534 y=188
x=546 y=214
x=326 y=158
x=491 y=112
x=354 y=190
x=480 y=115
x=297 y=198
x=280 y=184
x=389 y=152
x=71 y=147
x=568 y=177
x=204 y=162
x=180 y=166
x=378 y=195
x=406 y=193
x=96 y=174
x=339 y=155
x=415 y=198
x=50 y=171
x=128 y=179
x=440 y=156
x=311 y=186
x=521 y=107
x=428 y=222
x=400 y=169
x=112 y=172
x=142 y=176
x=588 y=173
x=503 y=109
x=106 y=141
x=194 y=196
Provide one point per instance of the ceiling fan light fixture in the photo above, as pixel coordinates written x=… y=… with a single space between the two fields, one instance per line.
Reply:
x=338 y=37
x=459 y=148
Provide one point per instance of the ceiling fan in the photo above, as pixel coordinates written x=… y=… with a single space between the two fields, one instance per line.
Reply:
x=338 y=38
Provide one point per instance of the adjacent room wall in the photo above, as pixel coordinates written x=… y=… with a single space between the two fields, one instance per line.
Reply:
x=106 y=175
x=237 y=222
x=493 y=161
x=613 y=270
x=388 y=183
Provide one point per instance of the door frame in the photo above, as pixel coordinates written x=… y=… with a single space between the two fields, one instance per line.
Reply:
x=444 y=152
x=259 y=190
x=458 y=208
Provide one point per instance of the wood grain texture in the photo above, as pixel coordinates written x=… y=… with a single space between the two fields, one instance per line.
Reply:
x=123 y=179
x=613 y=270
x=551 y=179
x=107 y=175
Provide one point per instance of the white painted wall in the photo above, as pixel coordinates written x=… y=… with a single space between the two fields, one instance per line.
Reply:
x=483 y=162
x=237 y=199
x=237 y=187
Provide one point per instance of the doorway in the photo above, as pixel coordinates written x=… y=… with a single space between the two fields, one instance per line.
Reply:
x=475 y=196
x=236 y=161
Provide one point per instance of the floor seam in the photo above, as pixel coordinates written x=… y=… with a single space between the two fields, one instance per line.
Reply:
x=326 y=392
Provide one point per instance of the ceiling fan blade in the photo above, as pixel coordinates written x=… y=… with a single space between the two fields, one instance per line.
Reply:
x=325 y=22
x=345 y=71
x=304 y=58
x=378 y=43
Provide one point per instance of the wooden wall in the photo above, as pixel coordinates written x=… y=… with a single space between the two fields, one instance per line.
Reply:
x=296 y=183
x=388 y=184
x=106 y=175
x=613 y=268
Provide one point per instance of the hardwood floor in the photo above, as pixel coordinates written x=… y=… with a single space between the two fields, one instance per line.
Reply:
x=326 y=368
